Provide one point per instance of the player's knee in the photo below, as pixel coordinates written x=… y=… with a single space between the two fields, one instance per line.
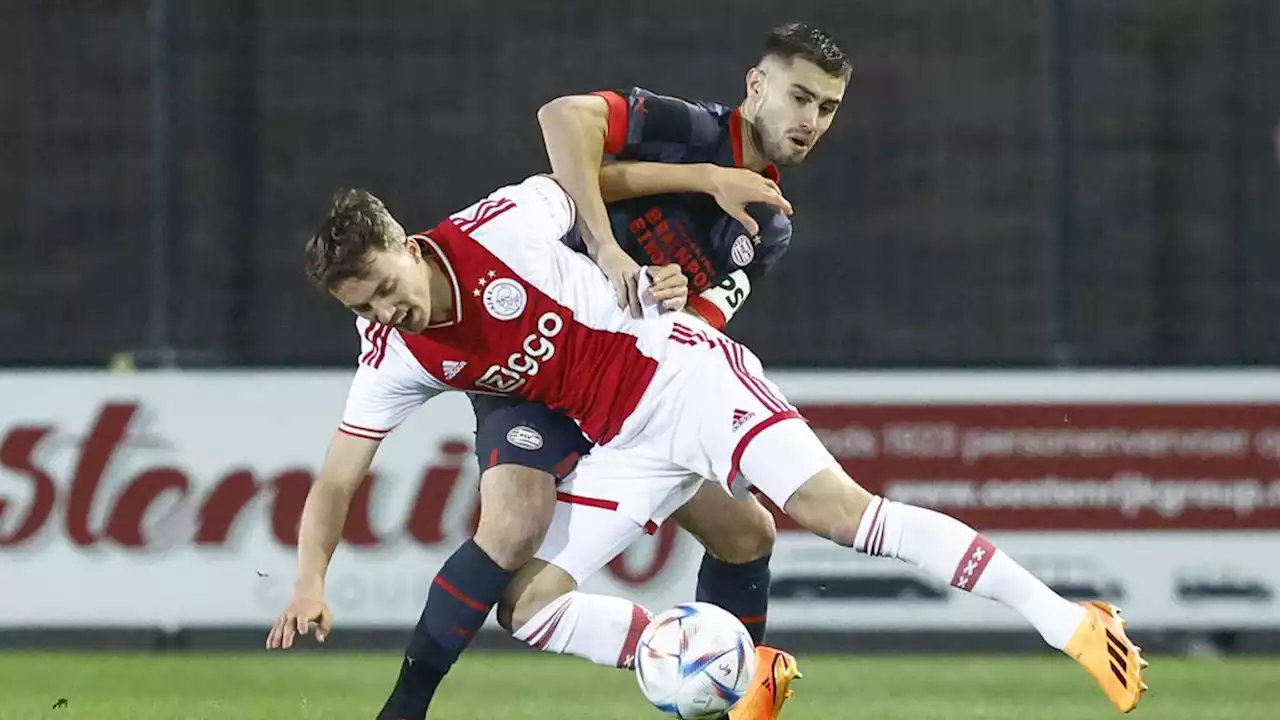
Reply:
x=537 y=585
x=516 y=506
x=508 y=548
x=753 y=536
x=830 y=504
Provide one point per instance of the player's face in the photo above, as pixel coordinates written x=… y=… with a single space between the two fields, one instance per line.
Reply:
x=395 y=289
x=794 y=103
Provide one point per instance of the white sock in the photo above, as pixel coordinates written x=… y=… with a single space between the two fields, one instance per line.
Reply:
x=600 y=628
x=948 y=550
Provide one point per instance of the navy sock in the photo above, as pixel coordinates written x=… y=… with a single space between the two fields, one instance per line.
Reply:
x=741 y=589
x=463 y=592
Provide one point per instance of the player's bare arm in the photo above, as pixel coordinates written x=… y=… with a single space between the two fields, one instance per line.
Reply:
x=574 y=128
x=732 y=188
x=325 y=512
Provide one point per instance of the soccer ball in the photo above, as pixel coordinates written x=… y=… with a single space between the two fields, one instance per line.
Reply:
x=695 y=661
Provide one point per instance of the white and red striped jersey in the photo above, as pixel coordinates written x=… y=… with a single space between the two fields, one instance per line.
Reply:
x=532 y=319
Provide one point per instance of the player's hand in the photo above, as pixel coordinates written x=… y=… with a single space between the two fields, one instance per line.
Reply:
x=296 y=620
x=735 y=188
x=624 y=273
x=670 y=286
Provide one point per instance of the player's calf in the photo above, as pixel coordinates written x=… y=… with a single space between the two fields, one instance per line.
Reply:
x=534 y=587
x=544 y=610
x=517 y=504
x=734 y=531
x=738 y=536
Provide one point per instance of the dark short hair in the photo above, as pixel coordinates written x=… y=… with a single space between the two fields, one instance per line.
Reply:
x=804 y=41
x=358 y=223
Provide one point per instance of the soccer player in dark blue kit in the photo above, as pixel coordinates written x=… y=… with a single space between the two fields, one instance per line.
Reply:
x=691 y=184
x=724 y=229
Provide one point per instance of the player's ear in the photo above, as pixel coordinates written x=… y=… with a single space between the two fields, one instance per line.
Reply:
x=415 y=250
x=755 y=83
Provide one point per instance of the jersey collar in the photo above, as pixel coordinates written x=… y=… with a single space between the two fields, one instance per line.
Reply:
x=735 y=141
x=429 y=244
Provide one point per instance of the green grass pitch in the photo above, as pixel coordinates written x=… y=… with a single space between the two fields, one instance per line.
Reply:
x=516 y=686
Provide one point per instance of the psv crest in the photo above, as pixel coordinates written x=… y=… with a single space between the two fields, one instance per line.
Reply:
x=525 y=438
x=743 y=251
x=505 y=299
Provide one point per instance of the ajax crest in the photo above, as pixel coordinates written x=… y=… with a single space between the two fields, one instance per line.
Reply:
x=505 y=299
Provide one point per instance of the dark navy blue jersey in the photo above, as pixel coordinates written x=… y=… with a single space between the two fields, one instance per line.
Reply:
x=720 y=260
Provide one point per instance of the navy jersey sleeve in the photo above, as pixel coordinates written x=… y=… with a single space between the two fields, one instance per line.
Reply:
x=719 y=303
x=646 y=126
x=775 y=238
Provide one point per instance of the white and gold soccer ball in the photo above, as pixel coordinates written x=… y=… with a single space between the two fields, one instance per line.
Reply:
x=695 y=661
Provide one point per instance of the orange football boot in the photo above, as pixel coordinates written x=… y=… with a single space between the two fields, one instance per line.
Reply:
x=1102 y=647
x=770 y=688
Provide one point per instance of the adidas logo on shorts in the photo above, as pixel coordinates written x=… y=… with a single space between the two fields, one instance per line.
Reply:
x=740 y=417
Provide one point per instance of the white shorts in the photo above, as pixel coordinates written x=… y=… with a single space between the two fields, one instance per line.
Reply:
x=708 y=413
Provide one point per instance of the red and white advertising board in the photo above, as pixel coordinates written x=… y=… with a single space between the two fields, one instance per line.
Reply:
x=172 y=499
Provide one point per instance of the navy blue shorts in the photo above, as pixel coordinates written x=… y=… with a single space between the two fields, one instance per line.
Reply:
x=518 y=432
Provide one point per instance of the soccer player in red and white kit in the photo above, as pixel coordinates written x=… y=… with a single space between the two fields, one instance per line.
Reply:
x=492 y=299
